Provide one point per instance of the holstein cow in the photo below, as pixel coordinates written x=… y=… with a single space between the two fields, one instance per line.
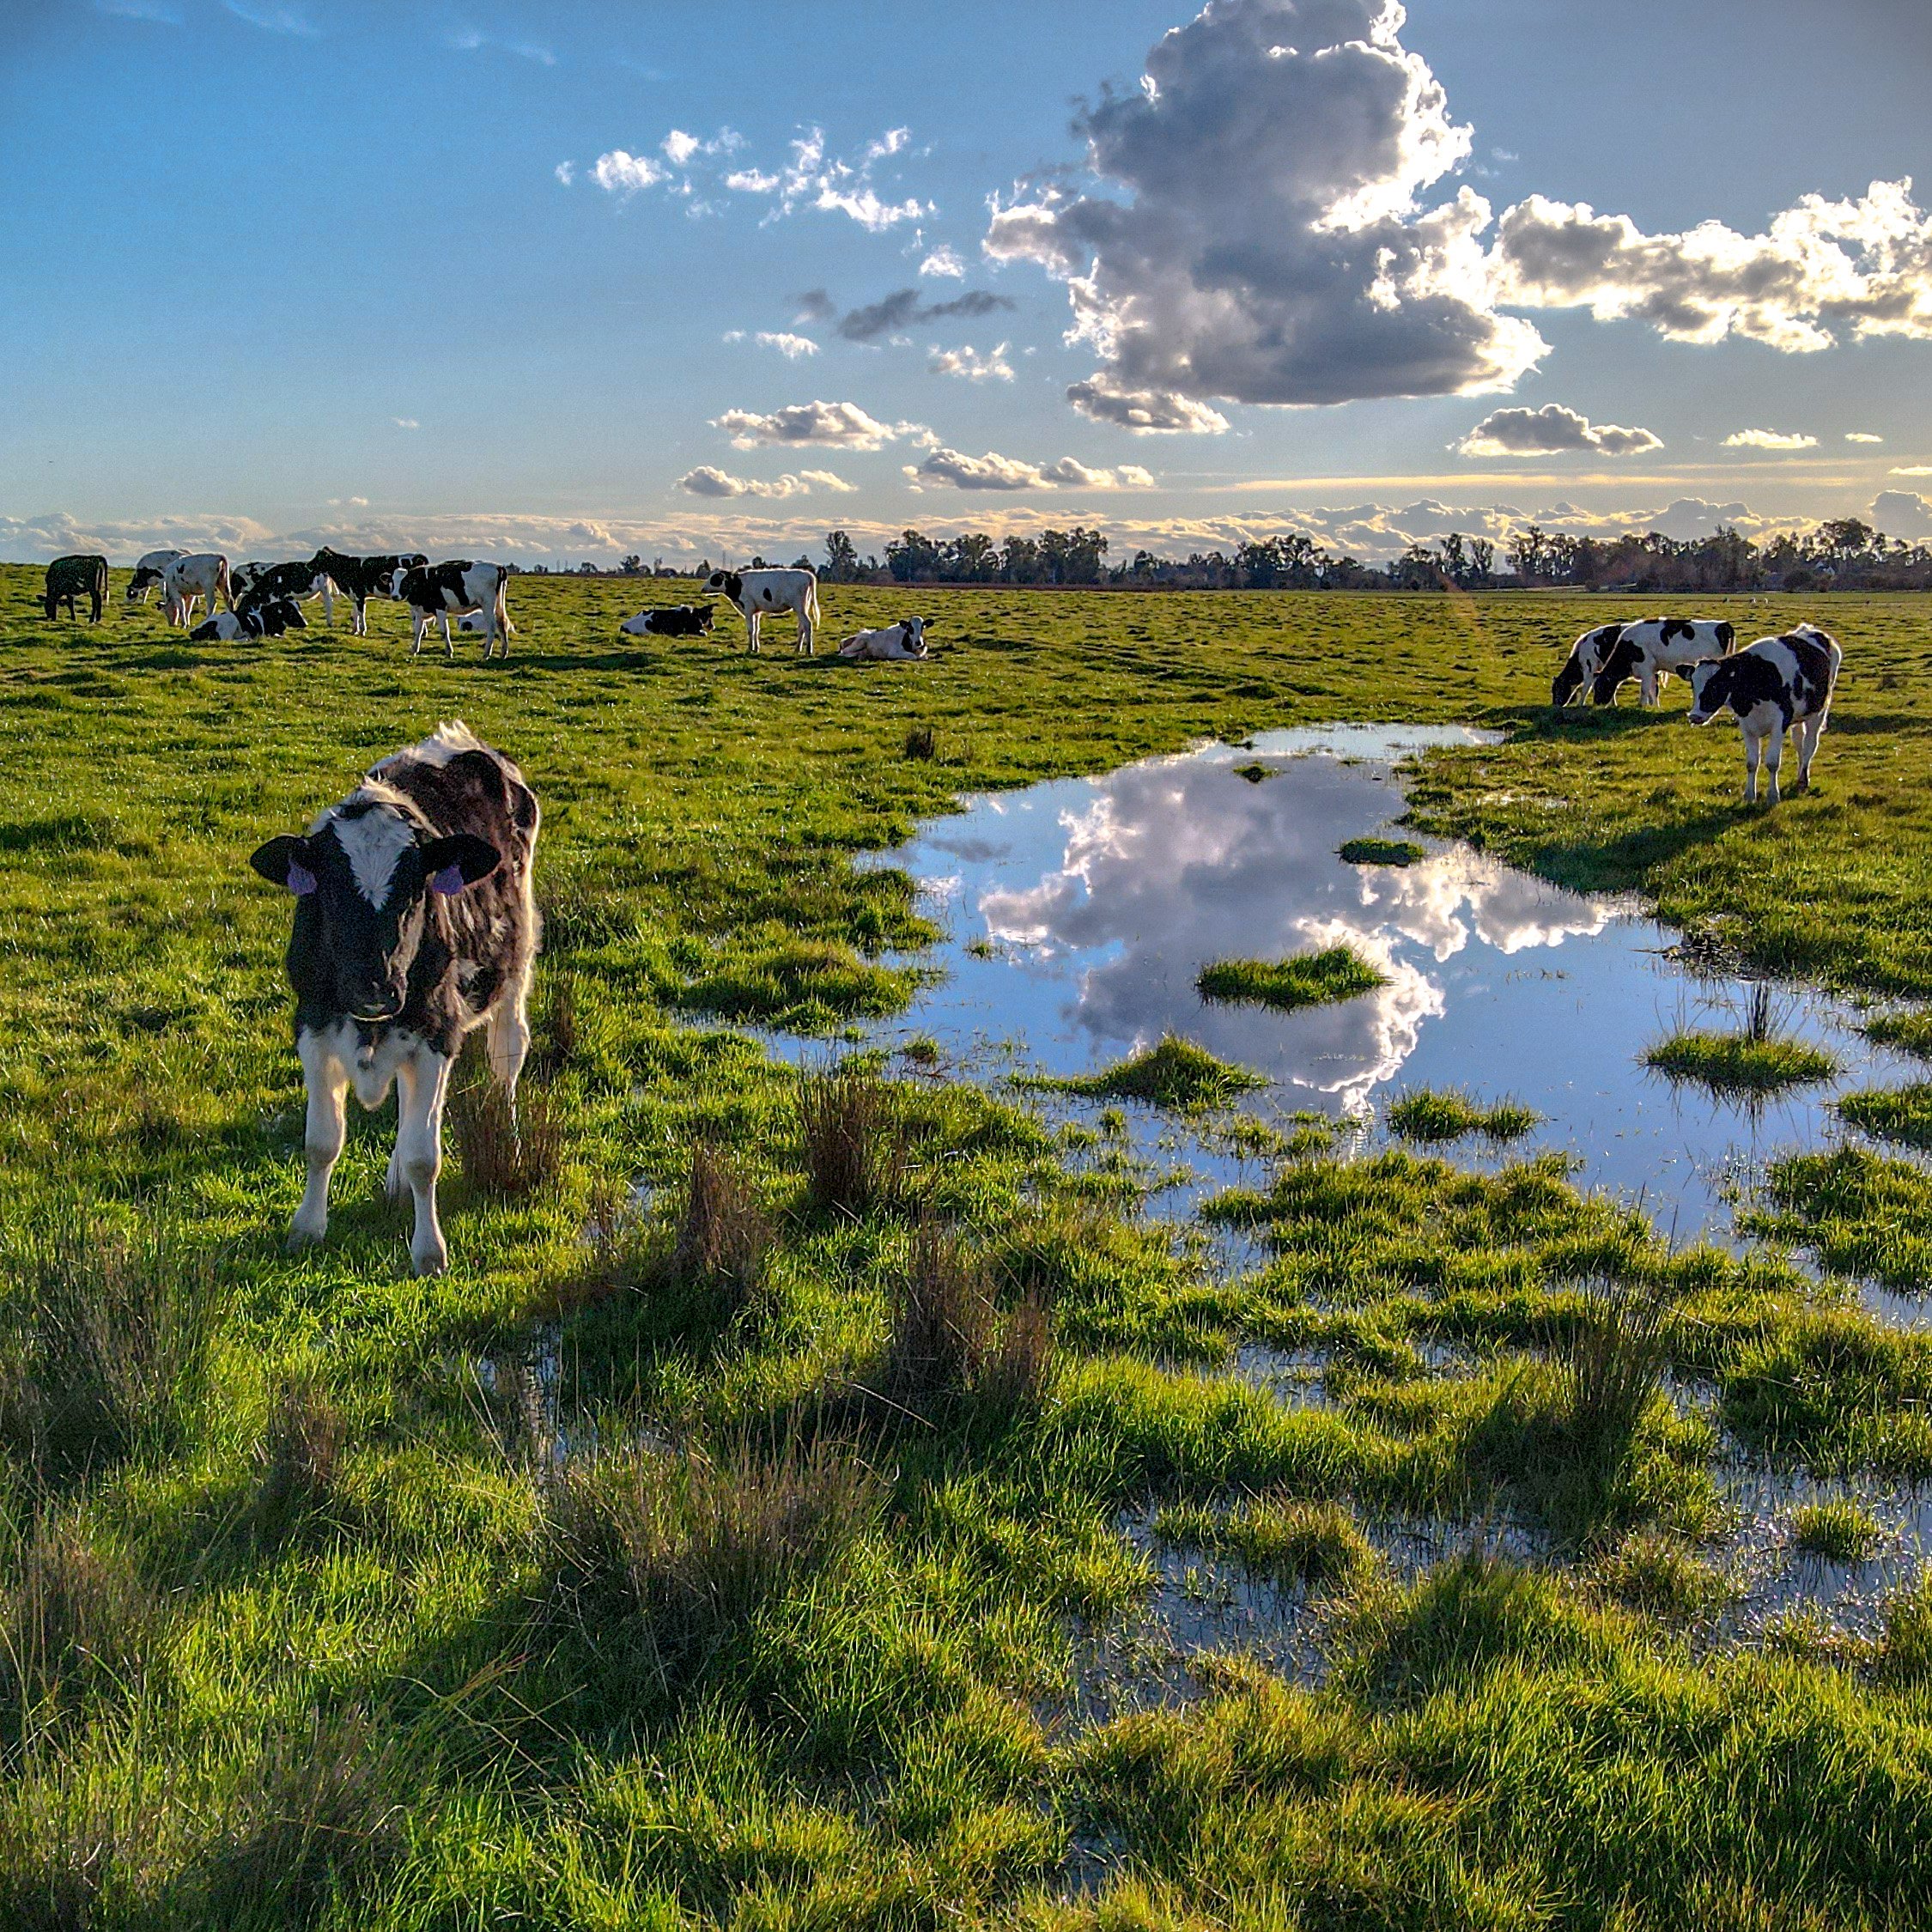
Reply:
x=415 y=923
x=757 y=592
x=358 y=578
x=906 y=639
x=1594 y=655
x=69 y=577
x=670 y=620
x=266 y=583
x=476 y=623
x=263 y=618
x=1664 y=645
x=189 y=580
x=1773 y=686
x=443 y=590
x=148 y=573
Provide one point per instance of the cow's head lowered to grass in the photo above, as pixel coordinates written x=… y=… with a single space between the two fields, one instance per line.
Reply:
x=364 y=874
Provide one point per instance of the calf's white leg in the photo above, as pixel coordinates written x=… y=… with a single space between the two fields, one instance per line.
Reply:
x=419 y=1081
x=1774 y=756
x=327 y=1080
x=751 y=628
x=1751 y=751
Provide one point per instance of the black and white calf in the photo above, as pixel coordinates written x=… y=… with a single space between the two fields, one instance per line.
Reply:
x=1665 y=645
x=443 y=590
x=415 y=923
x=1597 y=656
x=358 y=578
x=193 y=580
x=268 y=618
x=670 y=620
x=906 y=639
x=69 y=577
x=148 y=570
x=1777 y=685
x=758 y=594
x=268 y=583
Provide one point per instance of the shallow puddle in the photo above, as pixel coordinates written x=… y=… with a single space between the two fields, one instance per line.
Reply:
x=1079 y=912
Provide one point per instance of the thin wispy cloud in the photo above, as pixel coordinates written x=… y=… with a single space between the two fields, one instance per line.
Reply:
x=291 y=20
x=405 y=422
x=1770 y=439
x=473 y=40
x=155 y=13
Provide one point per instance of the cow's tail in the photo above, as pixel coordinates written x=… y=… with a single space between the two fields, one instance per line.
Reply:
x=222 y=586
x=501 y=610
x=811 y=610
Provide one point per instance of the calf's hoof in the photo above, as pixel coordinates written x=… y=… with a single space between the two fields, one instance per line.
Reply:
x=429 y=1257
x=301 y=1239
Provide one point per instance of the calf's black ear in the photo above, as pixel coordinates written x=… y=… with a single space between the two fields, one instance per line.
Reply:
x=283 y=861
x=458 y=860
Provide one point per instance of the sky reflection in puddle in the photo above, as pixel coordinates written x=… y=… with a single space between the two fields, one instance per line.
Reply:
x=1080 y=911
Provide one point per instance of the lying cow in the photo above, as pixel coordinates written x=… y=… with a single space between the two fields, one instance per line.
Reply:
x=1595 y=656
x=193 y=580
x=148 y=570
x=264 y=617
x=1773 y=686
x=440 y=592
x=415 y=923
x=670 y=620
x=476 y=623
x=754 y=593
x=906 y=639
x=358 y=578
x=266 y=583
x=1664 y=645
x=69 y=577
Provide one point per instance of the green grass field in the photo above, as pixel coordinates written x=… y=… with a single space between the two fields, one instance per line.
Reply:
x=324 y=1605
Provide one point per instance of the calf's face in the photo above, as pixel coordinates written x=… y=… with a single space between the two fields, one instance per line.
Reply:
x=1710 y=685
x=370 y=873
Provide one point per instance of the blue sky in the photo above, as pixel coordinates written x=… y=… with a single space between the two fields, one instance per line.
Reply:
x=494 y=278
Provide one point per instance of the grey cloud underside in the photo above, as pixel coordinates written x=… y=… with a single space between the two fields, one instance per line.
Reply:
x=905 y=309
x=1553 y=430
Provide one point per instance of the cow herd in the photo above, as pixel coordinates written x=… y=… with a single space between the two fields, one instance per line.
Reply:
x=1777 y=685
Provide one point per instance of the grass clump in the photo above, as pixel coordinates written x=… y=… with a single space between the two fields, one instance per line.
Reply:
x=509 y=1150
x=1380 y=852
x=1911 y=1031
x=921 y=742
x=949 y=1337
x=853 y=1140
x=1433 y=1115
x=1178 y=1073
x=724 y=1235
x=1736 y=1063
x=1291 y=1541
x=1862 y=1214
x=1307 y=979
x=1613 y=1363
x=1836 y=1530
x=301 y=1457
x=1658 y=1576
x=1900 y=1114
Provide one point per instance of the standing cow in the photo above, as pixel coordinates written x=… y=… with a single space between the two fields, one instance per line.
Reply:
x=415 y=923
x=189 y=580
x=757 y=593
x=443 y=590
x=69 y=577
x=358 y=578
x=1664 y=645
x=1777 y=685
x=148 y=570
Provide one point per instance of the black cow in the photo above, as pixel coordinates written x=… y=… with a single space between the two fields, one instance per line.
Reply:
x=267 y=583
x=258 y=619
x=1777 y=685
x=358 y=578
x=415 y=923
x=69 y=577
x=670 y=620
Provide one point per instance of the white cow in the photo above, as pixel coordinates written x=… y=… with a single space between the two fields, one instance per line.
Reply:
x=442 y=591
x=1776 y=684
x=1663 y=644
x=148 y=573
x=906 y=639
x=758 y=592
x=189 y=580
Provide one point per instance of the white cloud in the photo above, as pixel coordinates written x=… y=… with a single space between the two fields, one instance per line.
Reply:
x=1321 y=280
x=678 y=147
x=791 y=347
x=824 y=479
x=708 y=481
x=349 y=502
x=156 y=13
x=993 y=366
x=753 y=181
x=471 y=40
x=1550 y=431
x=275 y=19
x=945 y=261
x=1770 y=439
x=405 y=422
x=835 y=425
x=1913 y=470
x=621 y=173
x=567 y=172
x=1902 y=513
x=1862 y=436
x=953 y=468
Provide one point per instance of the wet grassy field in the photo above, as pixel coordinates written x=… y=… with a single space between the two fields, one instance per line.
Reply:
x=740 y=1532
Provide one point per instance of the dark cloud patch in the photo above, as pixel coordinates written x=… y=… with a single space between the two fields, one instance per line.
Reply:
x=905 y=309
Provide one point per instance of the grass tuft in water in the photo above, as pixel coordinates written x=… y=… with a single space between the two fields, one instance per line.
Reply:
x=1380 y=852
x=1752 y=1060
x=948 y=1338
x=1658 y=1576
x=1910 y=1031
x=1307 y=979
x=853 y=1141
x=1900 y=1114
x=1613 y=1364
x=1176 y=1073
x=1836 y=1530
x=1862 y=1214
x=1431 y=1116
x=1289 y=1541
x=723 y=1235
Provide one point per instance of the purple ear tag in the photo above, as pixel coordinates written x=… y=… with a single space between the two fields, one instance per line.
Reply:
x=449 y=881
x=301 y=880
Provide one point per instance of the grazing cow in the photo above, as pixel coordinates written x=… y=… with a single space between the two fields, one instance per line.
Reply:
x=69 y=577
x=1773 y=686
x=263 y=618
x=189 y=580
x=1590 y=657
x=906 y=639
x=148 y=573
x=670 y=620
x=756 y=593
x=1664 y=645
x=415 y=923
x=358 y=578
x=440 y=592
x=264 y=583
